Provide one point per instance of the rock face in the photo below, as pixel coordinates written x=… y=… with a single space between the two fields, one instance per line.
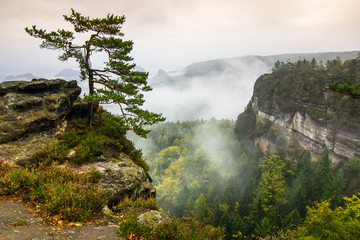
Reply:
x=122 y=178
x=30 y=114
x=153 y=217
x=293 y=112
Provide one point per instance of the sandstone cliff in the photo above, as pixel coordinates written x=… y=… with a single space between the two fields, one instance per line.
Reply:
x=34 y=114
x=292 y=110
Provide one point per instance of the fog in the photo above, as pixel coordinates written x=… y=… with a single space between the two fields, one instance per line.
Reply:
x=219 y=89
x=212 y=89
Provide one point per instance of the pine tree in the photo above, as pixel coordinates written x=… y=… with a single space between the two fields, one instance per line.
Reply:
x=322 y=175
x=201 y=209
x=272 y=185
x=333 y=189
x=119 y=83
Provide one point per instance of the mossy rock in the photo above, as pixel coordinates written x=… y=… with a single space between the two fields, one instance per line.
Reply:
x=153 y=217
x=30 y=113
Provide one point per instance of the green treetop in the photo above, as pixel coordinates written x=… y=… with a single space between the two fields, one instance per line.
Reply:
x=116 y=82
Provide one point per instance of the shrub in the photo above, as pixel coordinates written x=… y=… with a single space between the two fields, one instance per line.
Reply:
x=92 y=146
x=95 y=175
x=70 y=139
x=4 y=167
x=57 y=152
x=57 y=190
x=136 y=156
x=148 y=203
x=74 y=202
x=12 y=181
x=181 y=229
x=106 y=137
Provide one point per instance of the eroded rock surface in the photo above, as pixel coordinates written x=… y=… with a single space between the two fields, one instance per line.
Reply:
x=30 y=114
x=33 y=113
x=295 y=111
x=122 y=178
x=153 y=217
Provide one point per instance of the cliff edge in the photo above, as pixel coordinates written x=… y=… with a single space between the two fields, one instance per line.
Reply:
x=293 y=109
x=40 y=120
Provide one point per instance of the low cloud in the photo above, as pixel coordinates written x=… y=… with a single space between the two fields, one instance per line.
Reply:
x=219 y=89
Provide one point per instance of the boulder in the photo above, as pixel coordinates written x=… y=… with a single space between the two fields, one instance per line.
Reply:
x=121 y=177
x=153 y=217
x=30 y=114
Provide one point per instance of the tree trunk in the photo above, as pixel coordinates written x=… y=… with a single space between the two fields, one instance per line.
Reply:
x=90 y=103
x=91 y=81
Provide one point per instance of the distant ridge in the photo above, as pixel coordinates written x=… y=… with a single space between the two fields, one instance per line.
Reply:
x=68 y=72
x=218 y=65
x=23 y=77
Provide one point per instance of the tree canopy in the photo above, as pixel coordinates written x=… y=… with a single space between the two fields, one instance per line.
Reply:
x=116 y=82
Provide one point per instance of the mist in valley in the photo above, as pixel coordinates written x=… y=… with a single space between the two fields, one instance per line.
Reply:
x=218 y=89
x=199 y=167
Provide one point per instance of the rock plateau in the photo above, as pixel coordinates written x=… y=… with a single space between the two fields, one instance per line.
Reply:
x=33 y=113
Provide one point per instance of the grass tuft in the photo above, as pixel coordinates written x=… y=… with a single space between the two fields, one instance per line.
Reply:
x=175 y=228
x=56 y=190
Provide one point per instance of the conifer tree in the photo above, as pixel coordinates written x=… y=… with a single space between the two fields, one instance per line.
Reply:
x=201 y=209
x=322 y=178
x=272 y=185
x=120 y=84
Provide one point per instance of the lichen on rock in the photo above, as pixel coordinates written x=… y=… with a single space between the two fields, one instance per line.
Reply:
x=121 y=179
x=30 y=113
x=304 y=113
x=153 y=217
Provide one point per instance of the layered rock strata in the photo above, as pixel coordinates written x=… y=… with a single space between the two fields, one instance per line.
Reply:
x=290 y=115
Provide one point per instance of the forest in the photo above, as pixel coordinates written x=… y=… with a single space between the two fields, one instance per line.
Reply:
x=206 y=170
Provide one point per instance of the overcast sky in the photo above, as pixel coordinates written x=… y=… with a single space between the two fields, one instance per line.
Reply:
x=172 y=33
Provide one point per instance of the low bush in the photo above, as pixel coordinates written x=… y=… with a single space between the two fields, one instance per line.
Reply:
x=105 y=138
x=148 y=203
x=56 y=190
x=175 y=228
x=95 y=175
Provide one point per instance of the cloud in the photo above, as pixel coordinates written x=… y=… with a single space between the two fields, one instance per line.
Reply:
x=219 y=89
x=169 y=34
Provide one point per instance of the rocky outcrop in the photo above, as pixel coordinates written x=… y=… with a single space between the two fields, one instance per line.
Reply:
x=121 y=178
x=30 y=114
x=33 y=113
x=153 y=217
x=293 y=110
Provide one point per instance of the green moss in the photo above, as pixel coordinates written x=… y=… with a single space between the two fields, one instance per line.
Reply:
x=90 y=147
x=266 y=126
x=20 y=223
x=95 y=175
